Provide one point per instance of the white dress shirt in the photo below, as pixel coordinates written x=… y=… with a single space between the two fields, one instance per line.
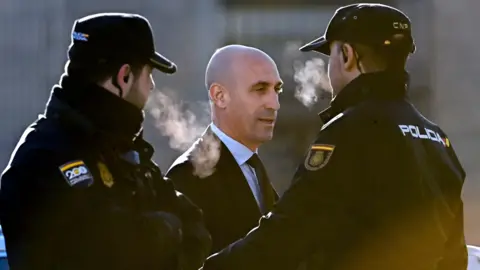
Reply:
x=473 y=257
x=241 y=153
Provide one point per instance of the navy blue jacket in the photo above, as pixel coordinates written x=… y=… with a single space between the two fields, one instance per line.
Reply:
x=380 y=188
x=81 y=192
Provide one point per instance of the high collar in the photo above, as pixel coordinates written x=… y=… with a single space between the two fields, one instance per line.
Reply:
x=376 y=85
x=95 y=106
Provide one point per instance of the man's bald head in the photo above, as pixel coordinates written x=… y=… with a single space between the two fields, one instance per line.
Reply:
x=227 y=60
x=243 y=85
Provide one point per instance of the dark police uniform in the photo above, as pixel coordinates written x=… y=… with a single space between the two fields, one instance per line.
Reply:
x=81 y=190
x=380 y=187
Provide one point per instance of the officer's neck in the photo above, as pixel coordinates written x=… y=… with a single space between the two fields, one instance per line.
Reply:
x=387 y=83
x=108 y=86
x=106 y=110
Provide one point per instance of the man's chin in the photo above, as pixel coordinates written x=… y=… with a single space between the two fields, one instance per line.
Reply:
x=268 y=136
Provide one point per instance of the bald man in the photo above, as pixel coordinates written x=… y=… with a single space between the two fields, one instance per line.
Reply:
x=222 y=172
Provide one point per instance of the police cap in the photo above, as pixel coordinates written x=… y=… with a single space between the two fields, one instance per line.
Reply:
x=116 y=37
x=369 y=24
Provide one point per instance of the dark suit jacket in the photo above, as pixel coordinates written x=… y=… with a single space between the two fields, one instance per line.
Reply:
x=229 y=206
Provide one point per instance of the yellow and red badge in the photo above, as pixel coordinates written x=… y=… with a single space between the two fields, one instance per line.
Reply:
x=318 y=156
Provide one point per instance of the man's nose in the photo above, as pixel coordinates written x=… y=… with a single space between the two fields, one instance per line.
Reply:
x=273 y=101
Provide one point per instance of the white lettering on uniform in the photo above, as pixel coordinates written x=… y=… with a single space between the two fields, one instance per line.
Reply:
x=76 y=172
x=432 y=135
x=422 y=136
x=417 y=132
x=404 y=129
x=413 y=131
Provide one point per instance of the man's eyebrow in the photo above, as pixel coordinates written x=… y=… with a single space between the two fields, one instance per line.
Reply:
x=265 y=83
x=261 y=83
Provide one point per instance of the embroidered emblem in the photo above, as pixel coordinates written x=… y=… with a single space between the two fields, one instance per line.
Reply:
x=76 y=173
x=318 y=156
x=105 y=174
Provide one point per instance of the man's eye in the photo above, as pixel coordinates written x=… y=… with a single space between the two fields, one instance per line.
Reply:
x=279 y=90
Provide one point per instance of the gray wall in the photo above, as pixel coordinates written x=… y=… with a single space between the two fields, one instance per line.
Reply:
x=455 y=78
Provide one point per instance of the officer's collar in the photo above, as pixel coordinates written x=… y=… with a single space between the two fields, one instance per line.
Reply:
x=91 y=105
x=383 y=84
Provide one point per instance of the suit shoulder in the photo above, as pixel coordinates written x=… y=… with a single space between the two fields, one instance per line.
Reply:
x=181 y=172
x=182 y=163
x=199 y=160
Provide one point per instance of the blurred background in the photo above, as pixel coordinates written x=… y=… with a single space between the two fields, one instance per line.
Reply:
x=36 y=34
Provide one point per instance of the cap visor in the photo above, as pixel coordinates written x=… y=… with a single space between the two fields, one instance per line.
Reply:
x=163 y=64
x=320 y=45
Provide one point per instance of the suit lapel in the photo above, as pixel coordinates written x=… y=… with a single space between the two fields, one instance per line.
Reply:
x=275 y=194
x=237 y=193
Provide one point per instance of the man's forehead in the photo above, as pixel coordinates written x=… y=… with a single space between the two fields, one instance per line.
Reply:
x=253 y=69
x=257 y=66
x=262 y=78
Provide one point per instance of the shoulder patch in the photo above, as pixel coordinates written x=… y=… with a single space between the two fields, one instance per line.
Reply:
x=105 y=174
x=76 y=173
x=318 y=156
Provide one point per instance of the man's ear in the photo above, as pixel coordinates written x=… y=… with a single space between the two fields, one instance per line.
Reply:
x=349 y=57
x=219 y=95
x=124 y=79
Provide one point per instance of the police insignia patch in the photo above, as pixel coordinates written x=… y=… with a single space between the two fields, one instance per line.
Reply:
x=105 y=174
x=76 y=173
x=318 y=156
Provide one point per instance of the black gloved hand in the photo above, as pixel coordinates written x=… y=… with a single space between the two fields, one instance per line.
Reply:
x=162 y=238
x=197 y=241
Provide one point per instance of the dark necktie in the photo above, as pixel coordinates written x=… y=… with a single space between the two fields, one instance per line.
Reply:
x=266 y=191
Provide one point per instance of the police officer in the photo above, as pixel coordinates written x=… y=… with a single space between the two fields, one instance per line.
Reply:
x=81 y=190
x=380 y=186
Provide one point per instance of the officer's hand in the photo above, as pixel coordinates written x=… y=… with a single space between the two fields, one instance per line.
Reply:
x=196 y=246
x=165 y=225
x=165 y=233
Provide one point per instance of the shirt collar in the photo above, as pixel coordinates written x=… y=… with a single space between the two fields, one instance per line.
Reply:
x=240 y=152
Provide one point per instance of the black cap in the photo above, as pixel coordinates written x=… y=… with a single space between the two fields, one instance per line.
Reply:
x=116 y=37
x=370 y=24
